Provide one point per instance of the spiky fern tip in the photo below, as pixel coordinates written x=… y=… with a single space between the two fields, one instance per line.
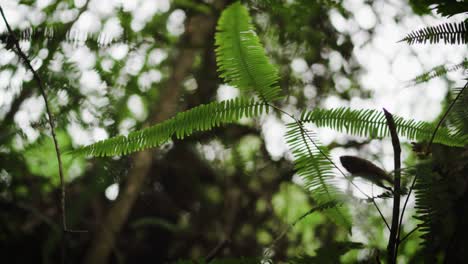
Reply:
x=372 y=123
x=200 y=118
x=241 y=58
x=313 y=165
x=450 y=33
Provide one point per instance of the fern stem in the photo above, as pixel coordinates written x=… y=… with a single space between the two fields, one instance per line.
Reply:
x=392 y=241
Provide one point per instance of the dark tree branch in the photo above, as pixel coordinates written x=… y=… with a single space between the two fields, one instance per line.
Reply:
x=392 y=241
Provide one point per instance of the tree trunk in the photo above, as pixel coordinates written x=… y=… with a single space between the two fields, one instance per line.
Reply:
x=198 y=30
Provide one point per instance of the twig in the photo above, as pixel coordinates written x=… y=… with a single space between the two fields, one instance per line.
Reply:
x=403 y=210
x=443 y=118
x=407 y=235
x=380 y=212
x=215 y=251
x=39 y=82
x=392 y=241
x=30 y=209
x=290 y=226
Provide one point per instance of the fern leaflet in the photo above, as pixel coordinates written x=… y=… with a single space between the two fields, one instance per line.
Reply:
x=433 y=201
x=200 y=118
x=451 y=33
x=437 y=72
x=372 y=123
x=241 y=58
x=311 y=163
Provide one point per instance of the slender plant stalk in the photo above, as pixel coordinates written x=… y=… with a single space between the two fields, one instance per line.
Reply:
x=392 y=241
x=409 y=233
x=403 y=212
x=50 y=117
x=215 y=251
x=443 y=118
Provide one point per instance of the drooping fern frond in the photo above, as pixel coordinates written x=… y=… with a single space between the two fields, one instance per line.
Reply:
x=312 y=164
x=450 y=33
x=241 y=58
x=437 y=72
x=200 y=118
x=372 y=123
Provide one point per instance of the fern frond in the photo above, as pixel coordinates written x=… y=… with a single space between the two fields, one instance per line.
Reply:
x=432 y=201
x=311 y=163
x=450 y=33
x=74 y=37
x=437 y=72
x=458 y=117
x=241 y=59
x=200 y=118
x=372 y=123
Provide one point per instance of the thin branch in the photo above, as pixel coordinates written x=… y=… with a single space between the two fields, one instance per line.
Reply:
x=30 y=209
x=443 y=118
x=381 y=215
x=392 y=241
x=403 y=210
x=407 y=235
x=38 y=80
x=215 y=251
x=15 y=44
x=290 y=226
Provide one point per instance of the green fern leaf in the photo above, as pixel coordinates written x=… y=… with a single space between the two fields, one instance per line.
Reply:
x=241 y=58
x=200 y=118
x=312 y=164
x=372 y=123
x=450 y=33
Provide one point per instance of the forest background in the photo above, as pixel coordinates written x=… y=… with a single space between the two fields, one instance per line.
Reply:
x=112 y=67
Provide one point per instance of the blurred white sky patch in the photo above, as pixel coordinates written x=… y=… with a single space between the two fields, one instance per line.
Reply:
x=136 y=107
x=273 y=133
x=112 y=191
x=226 y=92
x=175 y=23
